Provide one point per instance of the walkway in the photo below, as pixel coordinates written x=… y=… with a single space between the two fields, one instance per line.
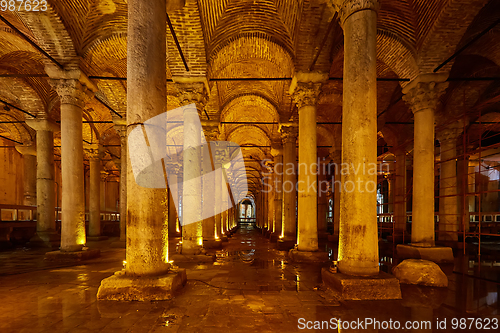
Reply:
x=252 y=287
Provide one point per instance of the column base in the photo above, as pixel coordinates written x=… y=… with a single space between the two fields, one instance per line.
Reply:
x=50 y=239
x=306 y=256
x=378 y=287
x=73 y=256
x=436 y=254
x=121 y=287
x=97 y=238
x=212 y=243
x=192 y=258
x=119 y=244
x=273 y=238
x=285 y=244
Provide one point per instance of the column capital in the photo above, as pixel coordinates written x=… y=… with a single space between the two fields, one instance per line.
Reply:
x=276 y=149
x=72 y=86
x=27 y=148
x=211 y=130
x=104 y=175
x=221 y=156
x=192 y=90
x=306 y=87
x=289 y=132
x=346 y=8
x=450 y=133
x=43 y=125
x=93 y=151
x=424 y=91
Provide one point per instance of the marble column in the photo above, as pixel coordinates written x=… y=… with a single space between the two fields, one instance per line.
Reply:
x=400 y=193
x=102 y=189
x=46 y=235
x=305 y=90
x=121 y=128
x=28 y=150
x=94 y=192
x=278 y=192
x=270 y=199
x=289 y=133
x=322 y=201
x=422 y=95
x=337 y=185
x=448 y=192
x=147 y=233
x=209 y=229
x=74 y=89
x=192 y=91
x=358 y=242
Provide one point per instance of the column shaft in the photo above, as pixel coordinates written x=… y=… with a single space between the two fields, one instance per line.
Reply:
x=289 y=188
x=45 y=187
x=400 y=193
x=448 y=201
x=358 y=243
x=123 y=185
x=147 y=234
x=94 y=198
x=278 y=196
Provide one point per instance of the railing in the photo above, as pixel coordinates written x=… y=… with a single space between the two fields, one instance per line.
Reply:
x=246 y=220
x=18 y=216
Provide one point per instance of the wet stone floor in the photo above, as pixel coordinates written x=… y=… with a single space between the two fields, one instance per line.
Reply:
x=252 y=287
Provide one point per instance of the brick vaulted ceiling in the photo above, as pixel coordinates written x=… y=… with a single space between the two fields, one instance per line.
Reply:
x=250 y=39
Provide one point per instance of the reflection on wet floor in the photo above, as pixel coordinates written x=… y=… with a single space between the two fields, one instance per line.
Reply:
x=251 y=286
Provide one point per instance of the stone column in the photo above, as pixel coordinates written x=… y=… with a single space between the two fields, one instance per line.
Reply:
x=28 y=150
x=422 y=95
x=74 y=89
x=102 y=189
x=448 y=194
x=400 y=194
x=147 y=261
x=147 y=234
x=46 y=235
x=121 y=128
x=192 y=91
x=358 y=243
x=210 y=238
x=270 y=200
x=337 y=185
x=278 y=191
x=322 y=202
x=94 y=192
x=289 y=231
x=305 y=89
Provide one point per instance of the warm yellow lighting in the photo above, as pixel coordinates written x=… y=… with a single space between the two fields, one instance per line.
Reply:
x=200 y=241
x=124 y=264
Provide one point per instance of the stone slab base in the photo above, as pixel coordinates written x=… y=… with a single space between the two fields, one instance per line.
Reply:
x=212 y=243
x=96 y=238
x=305 y=256
x=285 y=245
x=121 y=287
x=73 y=256
x=192 y=258
x=436 y=254
x=378 y=287
x=119 y=244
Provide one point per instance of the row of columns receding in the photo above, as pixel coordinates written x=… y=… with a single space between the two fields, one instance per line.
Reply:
x=147 y=231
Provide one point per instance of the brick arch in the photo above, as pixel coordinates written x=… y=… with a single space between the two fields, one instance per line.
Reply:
x=20 y=131
x=248 y=134
x=242 y=48
x=51 y=33
x=20 y=93
x=446 y=32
